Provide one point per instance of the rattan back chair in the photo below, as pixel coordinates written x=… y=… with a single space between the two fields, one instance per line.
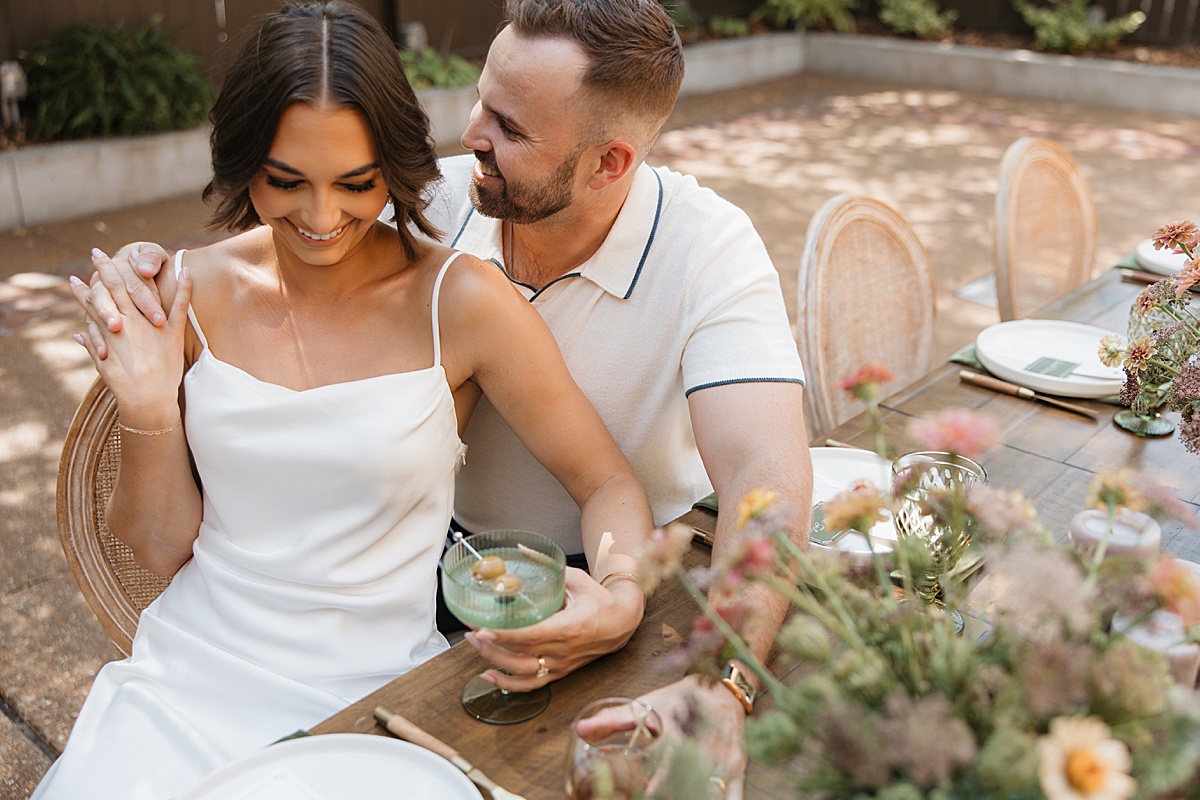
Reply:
x=1046 y=227
x=865 y=294
x=113 y=584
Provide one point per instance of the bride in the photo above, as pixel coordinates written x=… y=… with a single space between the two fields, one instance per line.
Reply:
x=290 y=437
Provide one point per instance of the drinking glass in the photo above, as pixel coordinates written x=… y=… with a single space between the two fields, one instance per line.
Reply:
x=613 y=760
x=935 y=472
x=503 y=579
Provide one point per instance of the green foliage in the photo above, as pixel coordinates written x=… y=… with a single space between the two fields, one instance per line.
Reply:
x=86 y=81
x=729 y=27
x=682 y=14
x=818 y=14
x=428 y=69
x=920 y=18
x=1066 y=26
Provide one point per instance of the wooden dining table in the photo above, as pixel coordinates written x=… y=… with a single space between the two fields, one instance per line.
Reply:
x=1049 y=455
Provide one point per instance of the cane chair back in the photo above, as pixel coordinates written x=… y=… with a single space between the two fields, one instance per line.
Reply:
x=1046 y=227
x=866 y=294
x=115 y=587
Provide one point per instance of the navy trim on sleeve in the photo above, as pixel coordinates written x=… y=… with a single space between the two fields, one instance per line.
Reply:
x=742 y=380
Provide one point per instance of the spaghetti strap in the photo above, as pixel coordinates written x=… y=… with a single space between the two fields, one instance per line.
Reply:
x=437 y=289
x=191 y=314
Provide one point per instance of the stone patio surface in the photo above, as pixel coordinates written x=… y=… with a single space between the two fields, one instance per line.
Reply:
x=778 y=150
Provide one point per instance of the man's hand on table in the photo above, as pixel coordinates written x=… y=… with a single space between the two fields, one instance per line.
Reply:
x=131 y=270
x=594 y=621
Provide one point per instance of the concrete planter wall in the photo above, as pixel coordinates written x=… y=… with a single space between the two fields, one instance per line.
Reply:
x=1015 y=73
x=54 y=182
x=713 y=66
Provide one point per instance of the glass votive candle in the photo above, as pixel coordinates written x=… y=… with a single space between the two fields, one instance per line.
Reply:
x=1133 y=533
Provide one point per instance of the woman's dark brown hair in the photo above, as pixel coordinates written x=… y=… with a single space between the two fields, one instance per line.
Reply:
x=320 y=52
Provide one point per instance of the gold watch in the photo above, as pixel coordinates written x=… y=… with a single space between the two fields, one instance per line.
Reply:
x=734 y=676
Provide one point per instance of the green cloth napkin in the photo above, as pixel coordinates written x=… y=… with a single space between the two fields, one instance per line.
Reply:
x=1130 y=262
x=708 y=503
x=967 y=358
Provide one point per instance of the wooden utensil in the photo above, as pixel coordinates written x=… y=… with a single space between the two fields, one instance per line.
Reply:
x=411 y=732
x=1004 y=387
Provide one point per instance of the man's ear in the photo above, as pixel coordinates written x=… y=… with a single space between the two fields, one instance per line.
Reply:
x=616 y=159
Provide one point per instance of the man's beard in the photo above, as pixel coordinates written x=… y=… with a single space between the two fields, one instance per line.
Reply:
x=526 y=203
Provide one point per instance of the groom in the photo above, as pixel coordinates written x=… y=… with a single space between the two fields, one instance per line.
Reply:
x=662 y=298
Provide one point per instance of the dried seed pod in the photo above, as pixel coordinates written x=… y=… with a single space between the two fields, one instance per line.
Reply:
x=507 y=584
x=488 y=568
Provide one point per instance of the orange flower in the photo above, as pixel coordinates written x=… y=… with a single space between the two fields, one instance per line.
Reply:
x=1177 y=588
x=755 y=505
x=857 y=508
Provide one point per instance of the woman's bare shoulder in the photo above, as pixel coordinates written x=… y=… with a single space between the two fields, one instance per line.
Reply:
x=473 y=280
x=224 y=259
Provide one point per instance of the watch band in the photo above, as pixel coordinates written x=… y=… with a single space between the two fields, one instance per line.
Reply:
x=734 y=677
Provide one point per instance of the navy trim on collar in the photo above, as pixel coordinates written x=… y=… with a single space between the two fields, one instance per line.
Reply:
x=457 y=236
x=653 y=230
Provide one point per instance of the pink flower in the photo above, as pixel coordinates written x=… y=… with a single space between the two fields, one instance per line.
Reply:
x=864 y=382
x=956 y=430
x=1181 y=237
x=1139 y=354
x=1153 y=295
x=663 y=554
x=1188 y=277
x=754 y=556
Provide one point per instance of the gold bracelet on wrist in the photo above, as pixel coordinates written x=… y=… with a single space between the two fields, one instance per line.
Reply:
x=141 y=432
x=627 y=576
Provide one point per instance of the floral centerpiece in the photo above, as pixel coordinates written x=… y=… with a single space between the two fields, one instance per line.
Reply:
x=886 y=700
x=1161 y=367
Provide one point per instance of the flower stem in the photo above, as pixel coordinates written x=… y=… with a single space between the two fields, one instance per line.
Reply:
x=1102 y=547
x=745 y=654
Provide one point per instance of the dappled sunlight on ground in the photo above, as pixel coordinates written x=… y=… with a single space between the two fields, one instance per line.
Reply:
x=935 y=157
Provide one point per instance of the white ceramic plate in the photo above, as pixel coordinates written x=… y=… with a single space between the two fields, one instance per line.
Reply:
x=1163 y=262
x=1010 y=349
x=838 y=468
x=338 y=766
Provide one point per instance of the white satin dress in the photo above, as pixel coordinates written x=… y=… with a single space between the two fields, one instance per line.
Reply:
x=312 y=581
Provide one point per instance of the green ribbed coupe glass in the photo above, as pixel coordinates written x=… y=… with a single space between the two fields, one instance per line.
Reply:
x=503 y=579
